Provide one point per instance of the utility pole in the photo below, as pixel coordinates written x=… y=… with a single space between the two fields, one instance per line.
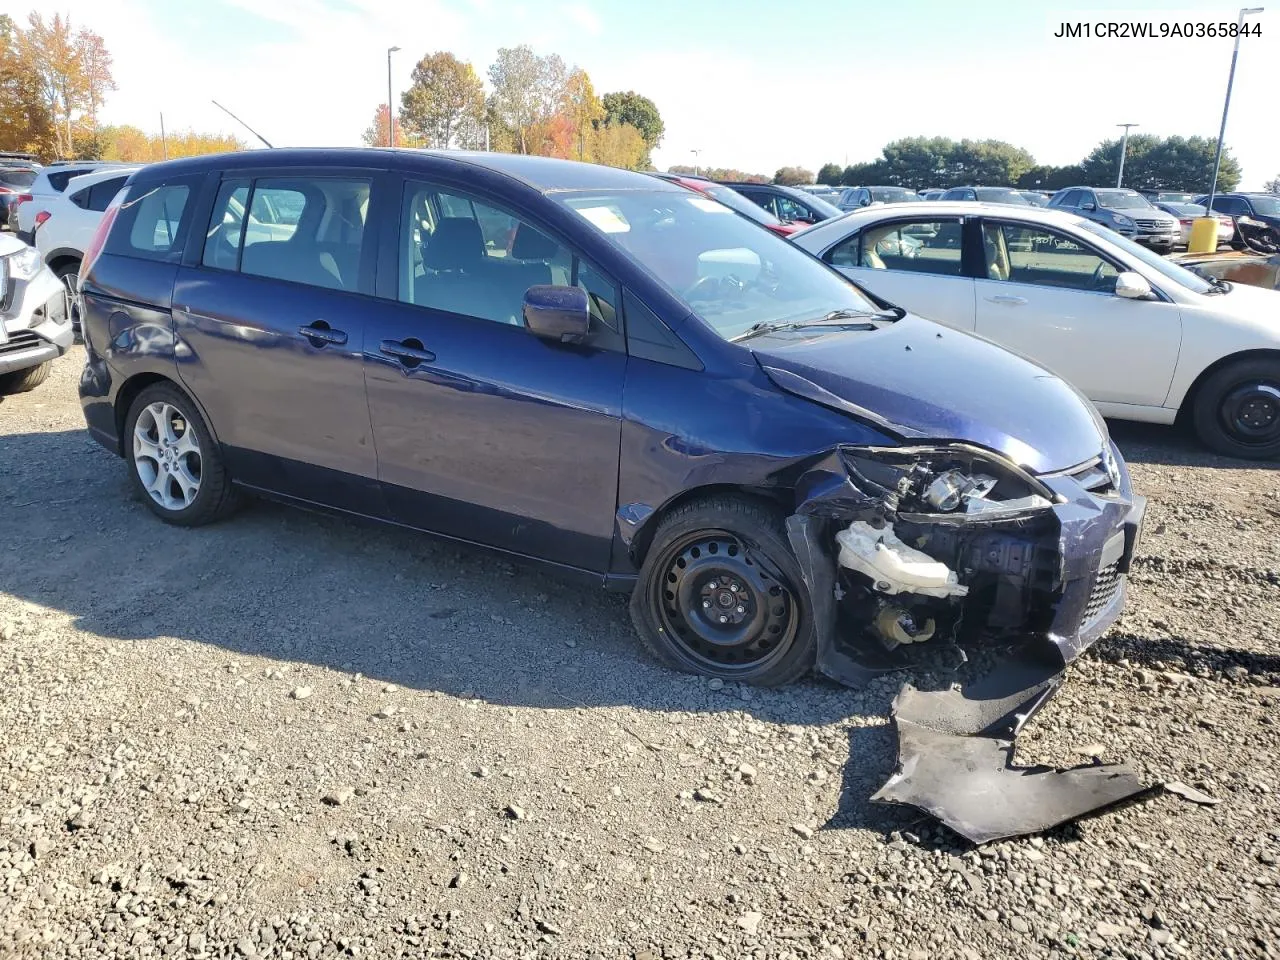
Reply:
x=391 y=110
x=1124 y=147
x=164 y=143
x=695 y=161
x=1222 y=130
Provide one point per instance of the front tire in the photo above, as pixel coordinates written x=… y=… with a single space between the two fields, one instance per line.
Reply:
x=1237 y=410
x=69 y=273
x=174 y=463
x=20 y=381
x=720 y=594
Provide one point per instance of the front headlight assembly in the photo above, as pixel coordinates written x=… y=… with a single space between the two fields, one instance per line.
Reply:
x=952 y=480
x=24 y=264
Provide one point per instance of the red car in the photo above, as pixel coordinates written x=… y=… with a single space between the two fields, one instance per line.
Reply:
x=734 y=201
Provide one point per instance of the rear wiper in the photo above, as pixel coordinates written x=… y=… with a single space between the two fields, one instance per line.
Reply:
x=829 y=319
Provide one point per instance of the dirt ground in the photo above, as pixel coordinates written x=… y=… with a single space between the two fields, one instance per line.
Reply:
x=290 y=735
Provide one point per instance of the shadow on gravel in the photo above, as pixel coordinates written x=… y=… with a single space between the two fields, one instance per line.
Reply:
x=1176 y=652
x=1173 y=446
x=396 y=606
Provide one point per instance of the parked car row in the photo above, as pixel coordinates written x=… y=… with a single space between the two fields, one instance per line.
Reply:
x=611 y=373
x=1143 y=338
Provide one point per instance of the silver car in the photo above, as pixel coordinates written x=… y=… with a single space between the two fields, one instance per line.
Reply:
x=35 y=322
x=1127 y=212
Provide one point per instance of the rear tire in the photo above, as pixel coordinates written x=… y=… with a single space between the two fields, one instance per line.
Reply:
x=720 y=594
x=174 y=463
x=1236 y=411
x=20 y=381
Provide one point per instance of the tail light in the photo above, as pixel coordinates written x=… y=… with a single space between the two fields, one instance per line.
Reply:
x=22 y=198
x=41 y=217
x=92 y=251
x=4 y=189
x=1185 y=223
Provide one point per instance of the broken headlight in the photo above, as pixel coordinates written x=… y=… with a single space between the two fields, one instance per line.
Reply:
x=949 y=479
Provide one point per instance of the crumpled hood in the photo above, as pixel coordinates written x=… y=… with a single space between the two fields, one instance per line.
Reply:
x=921 y=380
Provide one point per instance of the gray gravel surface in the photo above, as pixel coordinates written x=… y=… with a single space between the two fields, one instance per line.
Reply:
x=289 y=735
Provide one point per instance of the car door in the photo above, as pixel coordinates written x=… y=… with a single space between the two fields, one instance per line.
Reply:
x=915 y=263
x=1050 y=295
x=484 y=431
x=272 y=333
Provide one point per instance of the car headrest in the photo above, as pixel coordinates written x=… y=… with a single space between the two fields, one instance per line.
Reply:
x=456 y=243
x=532 y=244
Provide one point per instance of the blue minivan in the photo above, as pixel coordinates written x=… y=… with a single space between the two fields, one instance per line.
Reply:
x=608 y=374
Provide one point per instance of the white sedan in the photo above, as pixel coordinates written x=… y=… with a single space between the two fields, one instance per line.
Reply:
x=1143 y=338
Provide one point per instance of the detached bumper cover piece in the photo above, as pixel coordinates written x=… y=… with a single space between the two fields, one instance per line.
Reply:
x=955 y=759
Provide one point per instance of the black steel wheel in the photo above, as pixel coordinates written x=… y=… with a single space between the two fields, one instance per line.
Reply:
x=1237 y=409
x=718 y=594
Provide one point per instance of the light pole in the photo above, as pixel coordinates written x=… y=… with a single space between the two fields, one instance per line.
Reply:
x=1124 y=148
x=1222 y=130
x=391 y=110
x=695 y=161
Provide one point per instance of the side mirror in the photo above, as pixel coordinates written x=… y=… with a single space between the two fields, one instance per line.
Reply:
x=1133 y=286
x=560 y=314
x=1088 y=206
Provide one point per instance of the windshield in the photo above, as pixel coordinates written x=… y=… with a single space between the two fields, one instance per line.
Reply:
x=735 y=201
x=1121 y=200
x=17 y=178
x=1176 y=197
x=892 y=195
x=1186 y=209
x=1001 y=195
x=828 y=210
x=1266 y=206
x=730 y=273
x=1166 y=268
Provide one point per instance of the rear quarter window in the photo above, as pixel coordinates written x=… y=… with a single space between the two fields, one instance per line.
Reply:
x=153 y=221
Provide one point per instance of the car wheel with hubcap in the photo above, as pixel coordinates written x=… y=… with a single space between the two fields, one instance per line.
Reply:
x=1237 y=410
x=173 y=461
x=720 y=594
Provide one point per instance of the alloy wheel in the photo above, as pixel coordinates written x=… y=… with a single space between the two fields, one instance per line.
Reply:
x=166 y=454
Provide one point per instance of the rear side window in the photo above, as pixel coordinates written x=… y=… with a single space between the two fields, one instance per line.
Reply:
x=102 y=193
x=153 y=221
x=61 y=178
x=303 y=230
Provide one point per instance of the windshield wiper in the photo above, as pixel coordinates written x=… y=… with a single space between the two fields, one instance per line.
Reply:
x=836 y=318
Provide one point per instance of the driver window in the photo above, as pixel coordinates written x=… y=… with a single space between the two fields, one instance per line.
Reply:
x=788 y=209
x=1044 y=258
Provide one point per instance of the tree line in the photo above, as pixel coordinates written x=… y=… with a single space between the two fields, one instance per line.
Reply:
x=54 y=80
x=536 y=105
x=1151 y=163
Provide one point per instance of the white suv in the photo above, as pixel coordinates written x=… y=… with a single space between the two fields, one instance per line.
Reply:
x=50 y=182
x=64 y=223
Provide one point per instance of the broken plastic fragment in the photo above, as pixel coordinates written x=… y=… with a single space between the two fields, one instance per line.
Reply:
x=955 y=759
x=893 y=566
x=1180 y=789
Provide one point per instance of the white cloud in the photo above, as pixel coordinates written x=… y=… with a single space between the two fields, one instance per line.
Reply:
x=585 y=18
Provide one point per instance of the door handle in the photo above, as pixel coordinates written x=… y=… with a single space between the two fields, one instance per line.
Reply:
x=320 y=333
x=409 y=352
x=1012 y=301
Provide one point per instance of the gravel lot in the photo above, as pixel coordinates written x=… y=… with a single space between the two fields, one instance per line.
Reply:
x=295 y=736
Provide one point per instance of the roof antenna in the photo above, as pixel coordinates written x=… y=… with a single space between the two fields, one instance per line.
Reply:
x=241 y=122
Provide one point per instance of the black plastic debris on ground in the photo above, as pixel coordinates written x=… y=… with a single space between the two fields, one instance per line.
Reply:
x=955 y=759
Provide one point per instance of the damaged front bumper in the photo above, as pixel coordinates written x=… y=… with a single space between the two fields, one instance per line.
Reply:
x=915 y=547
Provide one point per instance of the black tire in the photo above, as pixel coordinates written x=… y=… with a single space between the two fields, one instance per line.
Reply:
x=1236 y=411
x=728 y=556
x=71 y=269
x=214 y=497
x=20 y=381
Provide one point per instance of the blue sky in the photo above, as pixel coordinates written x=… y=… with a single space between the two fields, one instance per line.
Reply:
x=748 y=83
